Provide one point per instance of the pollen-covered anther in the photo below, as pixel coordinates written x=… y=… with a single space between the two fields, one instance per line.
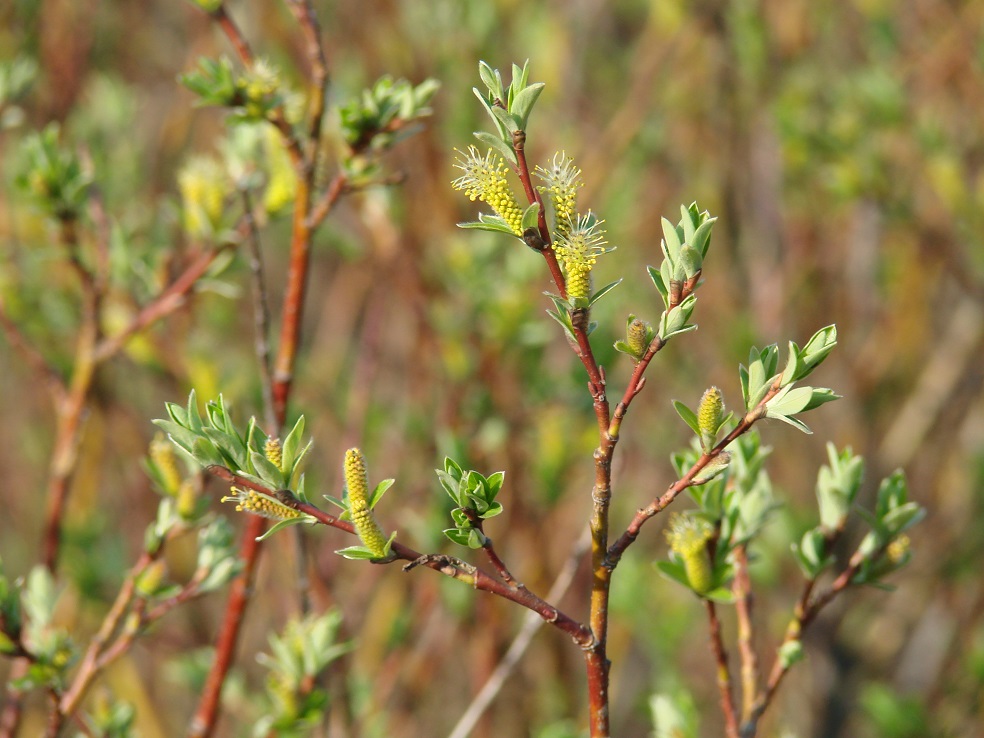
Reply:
x=484 y=178
x=578 y=251
x=257 y=503
x=562 y=181
x=273 y=452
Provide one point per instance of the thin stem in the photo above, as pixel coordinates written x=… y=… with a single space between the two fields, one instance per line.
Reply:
x=630 y=534
x=261 y=313
x=805 y=611
x=723 y=671
x=83 y=676
x=248 y=59
x=206 y=715
x=521 y=642
x=742 y=589
x=293 y=303
x=307 y=20
x=168 y=301
x=71 y=410
x=447 y=565
x=281 y=381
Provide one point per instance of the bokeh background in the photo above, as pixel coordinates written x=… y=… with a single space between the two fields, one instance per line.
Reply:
x=840 y=144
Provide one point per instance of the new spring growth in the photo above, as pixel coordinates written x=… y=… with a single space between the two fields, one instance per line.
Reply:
x=710 y=413
x=636 y=335
x=357 y=484
x=258 y=503
x=203 y=184
x=273 y=452
x=578 y=251
x=164 y=459
x=484 y=179
x=688 y=537
x=563 y=180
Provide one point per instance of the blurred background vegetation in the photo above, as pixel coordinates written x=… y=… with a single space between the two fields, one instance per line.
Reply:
x=842 y=146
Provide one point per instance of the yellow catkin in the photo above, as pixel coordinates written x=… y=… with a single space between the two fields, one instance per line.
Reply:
x=710 y=411
x=251 y=501
x=897 y=550
x=203 y=185
x=562 y=181
x=635 y=336
x=578 y=252
x=688 y=539
x=274 y=453
x=187 y=500
x=357 y=483
x=164 y=458
x=484 y=179
x=282 y=181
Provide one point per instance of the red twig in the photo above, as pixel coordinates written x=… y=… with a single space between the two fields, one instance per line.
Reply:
x=723 y=671
x=742 y=589
x=630 y=534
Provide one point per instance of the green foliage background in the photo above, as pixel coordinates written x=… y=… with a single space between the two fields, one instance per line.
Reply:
x=842 y=146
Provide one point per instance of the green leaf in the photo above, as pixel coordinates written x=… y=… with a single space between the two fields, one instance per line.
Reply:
x=523 y=103
x=492 y=223
x=507 y=120
x=671 y=241
x=701 y=240
x=360 y=553
x=266 y=469
x=690 y=261
x=795 y=422
x=564 y=318
x=504 y=148
x=495 y=483
x=530 y=216
x=379 y=491
x=688 y=416
x=674 y=571
x=281 y=524
x=503 y=134
x=720 y=594
x=674 y=322
x=493 y=509
x=659 y=283
x=791 y=652
x=603 y=291
x=492 y=80
x=292 y=444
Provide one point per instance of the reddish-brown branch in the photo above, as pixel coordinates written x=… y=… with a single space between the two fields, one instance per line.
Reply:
x=171 y=299
x=293 y=303
x=328 y=199
x=239 y=43
x=723 y=671
x=71 y=409
x=742 y=588
x=248 y=59
x=206 y=715
x=86 y=672
x=447 y=565
x=642 y=515
x=307 y=20
x=804 y=612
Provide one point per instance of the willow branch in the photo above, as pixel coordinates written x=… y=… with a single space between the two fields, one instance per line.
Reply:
x=723 y=671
